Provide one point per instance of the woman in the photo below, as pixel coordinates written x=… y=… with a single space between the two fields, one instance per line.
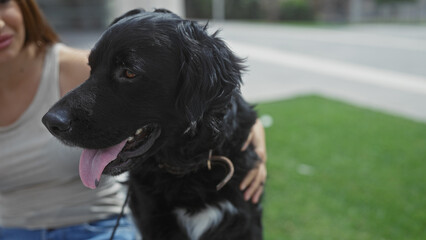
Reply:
x=40 y=190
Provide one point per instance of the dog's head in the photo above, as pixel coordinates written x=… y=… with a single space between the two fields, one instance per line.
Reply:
x=154 y=77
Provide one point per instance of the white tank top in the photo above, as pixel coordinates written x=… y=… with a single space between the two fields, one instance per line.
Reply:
x=39 y=182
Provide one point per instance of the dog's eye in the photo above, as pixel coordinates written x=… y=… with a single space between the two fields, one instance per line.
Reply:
x=129 y=74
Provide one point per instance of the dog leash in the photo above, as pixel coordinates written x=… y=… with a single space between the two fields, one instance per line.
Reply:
x=121 y=214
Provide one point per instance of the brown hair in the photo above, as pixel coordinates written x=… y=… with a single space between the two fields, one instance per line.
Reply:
x=37 y=29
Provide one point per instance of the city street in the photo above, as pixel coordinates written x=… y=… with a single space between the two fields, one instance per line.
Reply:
x=381 y=67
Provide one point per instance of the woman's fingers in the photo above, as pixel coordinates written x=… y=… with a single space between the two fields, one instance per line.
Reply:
x=254 y=182
x=248 y=179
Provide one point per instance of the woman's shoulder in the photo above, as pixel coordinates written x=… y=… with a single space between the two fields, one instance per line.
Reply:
x=73 y=67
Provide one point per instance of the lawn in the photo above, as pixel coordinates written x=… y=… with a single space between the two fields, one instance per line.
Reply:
x=336 y=171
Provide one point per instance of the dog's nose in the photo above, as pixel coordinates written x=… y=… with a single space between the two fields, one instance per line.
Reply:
x=57 y=121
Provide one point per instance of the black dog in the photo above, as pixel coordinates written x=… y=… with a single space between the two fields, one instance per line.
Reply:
x=163 y=102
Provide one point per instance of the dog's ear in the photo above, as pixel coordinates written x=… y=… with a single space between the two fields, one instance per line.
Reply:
x=127 y=14
x=210 y=72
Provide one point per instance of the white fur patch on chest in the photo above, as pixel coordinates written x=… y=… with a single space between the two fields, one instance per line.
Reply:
x=198 y=223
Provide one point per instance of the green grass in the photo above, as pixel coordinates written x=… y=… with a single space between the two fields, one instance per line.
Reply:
x=336 y=171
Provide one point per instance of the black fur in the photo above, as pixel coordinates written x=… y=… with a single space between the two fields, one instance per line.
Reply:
x=187 y=82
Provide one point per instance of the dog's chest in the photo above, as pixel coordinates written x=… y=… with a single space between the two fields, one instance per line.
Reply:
x=198 y=223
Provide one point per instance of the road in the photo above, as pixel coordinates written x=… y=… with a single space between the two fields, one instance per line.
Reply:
x=381 y=67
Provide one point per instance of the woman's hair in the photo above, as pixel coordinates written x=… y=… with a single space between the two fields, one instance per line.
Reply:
x=37 y=29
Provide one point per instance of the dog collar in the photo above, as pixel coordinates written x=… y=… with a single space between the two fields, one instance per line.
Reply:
x=211 y=161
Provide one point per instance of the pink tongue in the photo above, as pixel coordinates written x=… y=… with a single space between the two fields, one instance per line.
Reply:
x=93 y=162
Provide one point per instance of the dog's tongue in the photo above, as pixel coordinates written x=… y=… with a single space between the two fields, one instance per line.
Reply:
x=93 y=162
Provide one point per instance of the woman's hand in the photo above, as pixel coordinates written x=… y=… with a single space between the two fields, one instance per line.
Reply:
x=254 y=181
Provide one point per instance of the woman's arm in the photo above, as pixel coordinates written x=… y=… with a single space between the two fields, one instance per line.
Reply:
x=73 y=68
x=253 y=183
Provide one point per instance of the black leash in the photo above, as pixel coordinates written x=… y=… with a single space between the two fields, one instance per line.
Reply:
x=121 y=214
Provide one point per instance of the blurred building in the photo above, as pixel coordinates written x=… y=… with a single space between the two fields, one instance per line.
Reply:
x=92 y=14
x=97 y=14
x=370 y=10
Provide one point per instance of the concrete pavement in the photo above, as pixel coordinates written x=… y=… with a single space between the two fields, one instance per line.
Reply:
x=376 y=66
